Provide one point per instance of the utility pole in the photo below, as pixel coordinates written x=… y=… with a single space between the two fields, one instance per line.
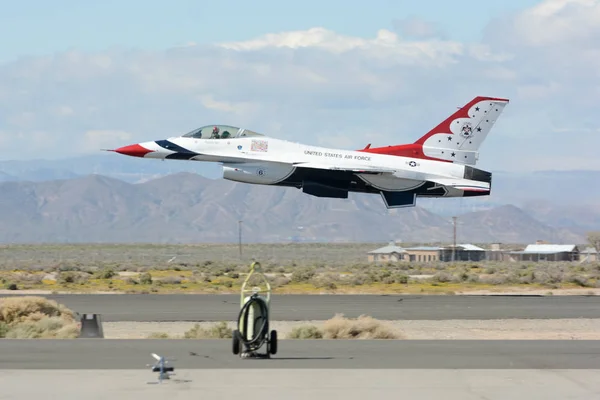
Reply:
x=454 y=241
x=240 y=237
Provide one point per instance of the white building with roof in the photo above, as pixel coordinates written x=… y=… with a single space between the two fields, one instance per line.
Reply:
x=393 y=253
x=390 y=253
x=547 y=252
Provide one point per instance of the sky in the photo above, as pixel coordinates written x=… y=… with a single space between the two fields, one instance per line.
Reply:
x=78 y=76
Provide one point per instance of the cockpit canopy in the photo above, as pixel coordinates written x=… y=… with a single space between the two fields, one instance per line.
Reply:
x=220 y=132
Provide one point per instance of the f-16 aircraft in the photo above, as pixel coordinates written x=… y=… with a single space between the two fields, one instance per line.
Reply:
x=439 y=164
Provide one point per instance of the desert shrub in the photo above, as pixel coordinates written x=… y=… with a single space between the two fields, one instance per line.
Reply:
x=227 y=284
x=305 y=332
x=396 y=278
x=3 y=329
x=145 y=278
x=130 y=281
x=541 y=277
x=327 y=281
x=170 y=280
x=279 y=281
x=23 y=278
x=217 y=331
x=526 y=278
x=400 y=278
x=106 y=273
x=361 y=279
x=555 y=276
x=363 y=327
x=158 y=335
x=302 y=275
x=19 y=309
x=44 y=328
x=66 y=277
x=36 y=317
x=494 y=280
x=379 y=275
x=579 y=280
x=442 y=277
x=461 y=276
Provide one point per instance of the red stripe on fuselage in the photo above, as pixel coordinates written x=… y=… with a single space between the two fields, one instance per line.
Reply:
x=402 y=150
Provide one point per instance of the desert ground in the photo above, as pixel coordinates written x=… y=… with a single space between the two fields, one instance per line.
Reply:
x=290 y=268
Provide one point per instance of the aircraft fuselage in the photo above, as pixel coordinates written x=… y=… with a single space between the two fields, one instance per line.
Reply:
x=439 y=164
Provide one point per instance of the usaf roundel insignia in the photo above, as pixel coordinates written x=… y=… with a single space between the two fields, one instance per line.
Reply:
x=466 y=130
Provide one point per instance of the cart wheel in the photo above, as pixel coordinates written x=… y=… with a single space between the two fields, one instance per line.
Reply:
x=236 y=342
x=273 y=342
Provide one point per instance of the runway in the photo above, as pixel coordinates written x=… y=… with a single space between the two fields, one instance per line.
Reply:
x=96 y=354
x=314 y=384
x=315 y=369
x=153 y=307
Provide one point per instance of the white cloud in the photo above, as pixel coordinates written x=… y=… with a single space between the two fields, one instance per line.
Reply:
x=387 y=46
x=417 y=28
x=320 y=87
x=555 y=22
x=550 y=24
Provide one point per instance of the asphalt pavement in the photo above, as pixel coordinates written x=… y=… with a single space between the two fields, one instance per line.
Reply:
x=191 y=307
x=97 y=354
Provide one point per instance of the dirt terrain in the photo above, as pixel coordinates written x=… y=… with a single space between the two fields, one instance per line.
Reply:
x=506 y=329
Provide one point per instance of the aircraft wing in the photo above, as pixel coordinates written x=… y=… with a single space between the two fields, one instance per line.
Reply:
x=359 y=170
x=462 y=184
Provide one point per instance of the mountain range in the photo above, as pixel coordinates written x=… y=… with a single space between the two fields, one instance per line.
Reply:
x=68 y=203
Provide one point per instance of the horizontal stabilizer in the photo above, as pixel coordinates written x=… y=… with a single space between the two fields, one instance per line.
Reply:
x=462 y=184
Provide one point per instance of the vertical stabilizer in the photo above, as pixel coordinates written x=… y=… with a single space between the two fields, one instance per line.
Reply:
x=459 y=137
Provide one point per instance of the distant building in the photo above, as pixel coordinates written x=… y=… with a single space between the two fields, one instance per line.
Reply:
x=547 y=252
x=423 y=254
x=393 y=253
x=495 y=253
x=589 y=255
x=389 y=253
x=463 y=252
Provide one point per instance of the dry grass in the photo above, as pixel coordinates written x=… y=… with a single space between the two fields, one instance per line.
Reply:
x=340 y=327
x=36 y=317
x=292 y=268
x=217 y=331
x=363 y=327
x=305 y=332
x=158 y=335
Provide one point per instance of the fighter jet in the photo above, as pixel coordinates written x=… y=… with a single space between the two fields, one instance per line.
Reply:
x=439 y=164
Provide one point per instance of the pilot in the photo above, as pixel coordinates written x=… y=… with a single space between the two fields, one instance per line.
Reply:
x=215 y=133
x=225 y=135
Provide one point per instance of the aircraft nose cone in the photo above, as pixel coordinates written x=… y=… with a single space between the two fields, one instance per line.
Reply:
x=134 y=150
